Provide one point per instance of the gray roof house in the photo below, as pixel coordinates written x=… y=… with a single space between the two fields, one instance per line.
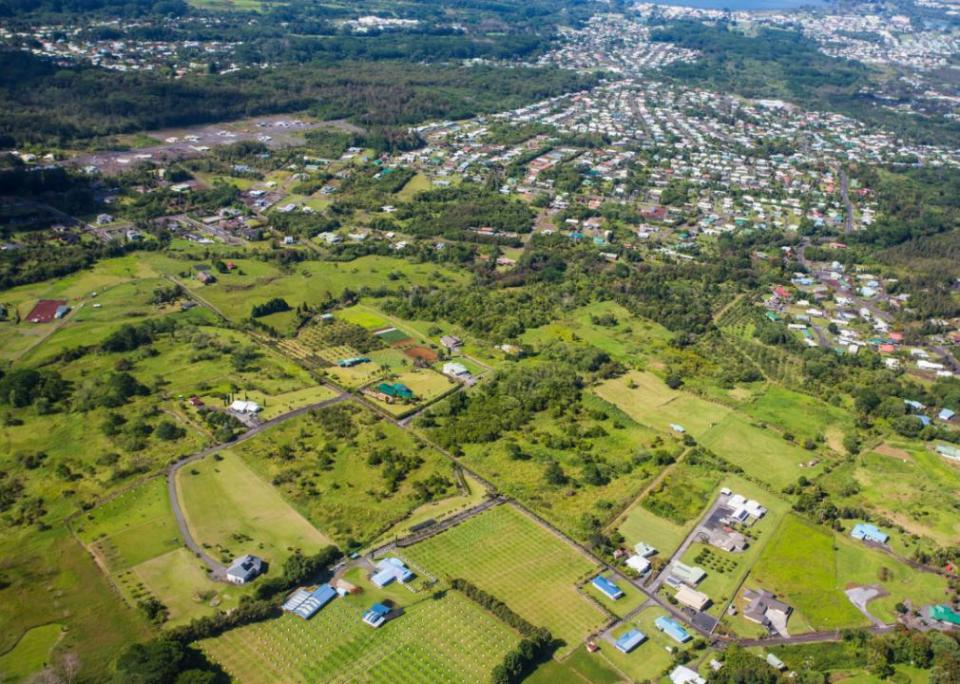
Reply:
x=244 y=569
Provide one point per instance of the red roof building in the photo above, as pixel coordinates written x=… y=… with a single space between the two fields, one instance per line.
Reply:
x=45 y=310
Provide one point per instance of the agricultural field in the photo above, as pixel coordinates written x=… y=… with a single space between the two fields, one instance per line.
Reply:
x=647 y=400
x=809 y=567
x=578 y=667
x=610 y=437
x=802 y=415
x=506 y=554
x=352 y=474
x=440 y=638
x=683 y=494
x=232 y=511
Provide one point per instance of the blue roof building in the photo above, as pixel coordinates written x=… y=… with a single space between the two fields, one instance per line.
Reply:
x=630 y=640
x=607 y=588
x=296 y=599
x=389 y=570
x=315 y=601
x=868 y=532
x=672 y=629
x=376 y=615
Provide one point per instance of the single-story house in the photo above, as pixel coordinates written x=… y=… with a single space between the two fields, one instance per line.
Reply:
x=352 y=361
x=245 y=407
x=638 y=564
x=244 y=569
x=451 y=342
x=630 y=640
x=389 y=570
x=672 y=629
x=644 y=549
x=455 y=370
x=607 y=588
x=692 y=598
x=688 y=574
x=944 y=613
x=376 y=615
x=946 y=414
x=763 y=608
x=390 y=392
x=682 y=674
x=870 y=533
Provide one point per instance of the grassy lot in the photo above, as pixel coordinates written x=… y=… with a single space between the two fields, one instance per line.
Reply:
x=311 y=282
x=800 y=414
x=230 y=509
x=426 y=385
x=506 y=554
x=614 y=443
x=447 y=639
x=323 y=465
x=648 y=660
x=279 y=404
x=578 y=667
x=363 y=316
x=625 y=337
x=417 y=184
x=759 y=452
x=641 y=525
x=180 y=581
x=133 y=527
x=631 y=599
x=809 y=567
x=683 y=493
x=646 y=399
x=908 y=485
x=31 y=654
x=55 y=581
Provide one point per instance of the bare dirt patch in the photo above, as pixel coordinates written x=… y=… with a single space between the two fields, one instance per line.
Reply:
x=422 y=353
x=893 y=452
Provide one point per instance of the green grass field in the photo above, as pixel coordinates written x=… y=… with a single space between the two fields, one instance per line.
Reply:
x=615 y=442
x=800 y=414
x=649 y=659
x=646 y=399
x=506 y=554
x=761 y=453
x=331 y=480
x=809 y=567
x=31 y=654
x=448 y=639
x=233 y=511
x=133 y=527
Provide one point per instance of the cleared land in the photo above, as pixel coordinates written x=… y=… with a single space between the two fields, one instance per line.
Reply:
x=229 y=508
x=506 y=554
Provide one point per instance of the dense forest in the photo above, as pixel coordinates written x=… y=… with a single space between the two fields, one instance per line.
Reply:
x=55 y=105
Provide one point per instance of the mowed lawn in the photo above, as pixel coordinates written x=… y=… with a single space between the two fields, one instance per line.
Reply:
x=810 y=567
x=511 y=557
x=646 y=399
x=231 y=509
x=133 y=527
x=761 y=453
x=450 y=639
x=31 y=654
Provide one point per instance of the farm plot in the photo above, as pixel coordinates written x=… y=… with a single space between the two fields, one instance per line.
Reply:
x=760 y=453
x=647 y=400
x=447 y=639
x=229 y=508
x=534 y=572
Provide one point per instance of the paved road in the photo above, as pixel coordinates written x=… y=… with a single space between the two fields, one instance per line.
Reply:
x=217 y=569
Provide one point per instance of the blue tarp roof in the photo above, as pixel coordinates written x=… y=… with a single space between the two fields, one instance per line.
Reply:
x=607 y=587
x=630 y=640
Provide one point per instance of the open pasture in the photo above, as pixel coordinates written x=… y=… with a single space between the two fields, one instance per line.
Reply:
x=761 y=453
x=647 y=400
x=231 y=510
x=800 y=414
x=435 y=640
x=505 y=553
